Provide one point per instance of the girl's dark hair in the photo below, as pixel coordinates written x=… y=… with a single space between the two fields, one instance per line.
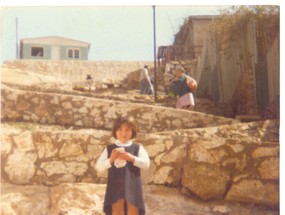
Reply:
x=129 y=121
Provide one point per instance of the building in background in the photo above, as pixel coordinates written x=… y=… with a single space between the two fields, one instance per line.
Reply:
x=192 y=34
x=53 y=48
x=189 y=40
x=235 y=61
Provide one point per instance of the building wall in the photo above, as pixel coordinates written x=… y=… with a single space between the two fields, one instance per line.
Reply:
x=26 y=51
x=273 y=69
x=47 y=55
x=227 y=64
x=83 y=52
x=200 y=30
x=192 y=35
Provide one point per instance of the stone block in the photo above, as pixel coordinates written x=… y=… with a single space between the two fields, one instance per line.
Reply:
x=20 y=166
x=206 y=181
x=269 y=169
x=256 y=191
x=76 y=199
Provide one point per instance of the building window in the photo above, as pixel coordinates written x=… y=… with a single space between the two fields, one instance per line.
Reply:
x=70 y=53
x=37 y=51
x=73 y=53
x=76 y=53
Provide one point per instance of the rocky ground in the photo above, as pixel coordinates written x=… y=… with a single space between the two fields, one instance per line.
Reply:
x=79 y=199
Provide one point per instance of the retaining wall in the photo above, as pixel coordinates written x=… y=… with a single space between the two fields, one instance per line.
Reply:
x=232 y=169
x=68 y=110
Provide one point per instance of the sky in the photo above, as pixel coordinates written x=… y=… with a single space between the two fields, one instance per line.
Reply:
x=115 y=32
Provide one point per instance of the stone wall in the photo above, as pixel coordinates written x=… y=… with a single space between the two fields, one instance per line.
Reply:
x=262 y=131
x=233 y=169
x=74 y=71
x=236 y=167
x=50 y=157
x=68 y=110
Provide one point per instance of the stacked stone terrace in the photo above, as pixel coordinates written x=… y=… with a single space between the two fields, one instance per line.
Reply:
x=51 y=153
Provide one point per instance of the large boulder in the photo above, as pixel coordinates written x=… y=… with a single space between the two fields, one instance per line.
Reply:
x=205 y=180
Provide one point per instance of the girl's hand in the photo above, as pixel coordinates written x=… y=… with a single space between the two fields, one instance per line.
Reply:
x=114 y=154
x=126 y=156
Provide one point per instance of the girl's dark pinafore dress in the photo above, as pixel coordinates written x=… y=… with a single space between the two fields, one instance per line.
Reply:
x=124 y=183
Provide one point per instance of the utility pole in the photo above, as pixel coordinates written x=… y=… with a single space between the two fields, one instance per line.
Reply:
x=17 y=45
x=154 y=44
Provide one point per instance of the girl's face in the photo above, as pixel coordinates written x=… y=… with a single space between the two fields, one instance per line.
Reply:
x=124 y=133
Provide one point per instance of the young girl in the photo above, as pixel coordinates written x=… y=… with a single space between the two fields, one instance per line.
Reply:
x=123 y=159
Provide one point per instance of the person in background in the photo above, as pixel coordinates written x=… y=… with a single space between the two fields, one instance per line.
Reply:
x=88 y=77
x=183 y=88
x=89 y=81
x=124 y=160
x=145 y=82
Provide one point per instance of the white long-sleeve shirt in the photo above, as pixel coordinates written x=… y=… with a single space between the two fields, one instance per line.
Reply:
x=142 y=160
x=145 y=76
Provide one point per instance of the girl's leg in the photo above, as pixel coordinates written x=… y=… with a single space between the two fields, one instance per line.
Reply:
x=118 y=207
x=132 y=210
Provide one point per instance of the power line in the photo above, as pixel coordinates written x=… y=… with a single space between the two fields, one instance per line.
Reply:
x=170 y=22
